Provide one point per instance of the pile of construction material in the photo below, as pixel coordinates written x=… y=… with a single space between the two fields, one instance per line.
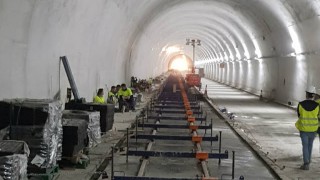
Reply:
x=38 y=123
x=13 y=160
x=47 y=134
x=88 y=119
x=106 y=112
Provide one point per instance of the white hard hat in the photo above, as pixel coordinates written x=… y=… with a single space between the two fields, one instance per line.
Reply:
x=311 y=89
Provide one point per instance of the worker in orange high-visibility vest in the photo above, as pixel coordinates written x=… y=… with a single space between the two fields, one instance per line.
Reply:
x=307 y=124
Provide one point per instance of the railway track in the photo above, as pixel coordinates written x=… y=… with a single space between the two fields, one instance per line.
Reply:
x=175 y=139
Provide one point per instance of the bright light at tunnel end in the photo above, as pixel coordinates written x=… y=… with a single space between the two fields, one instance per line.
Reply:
x=179 y=64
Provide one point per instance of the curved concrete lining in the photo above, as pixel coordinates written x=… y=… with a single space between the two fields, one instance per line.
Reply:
x=108 y=41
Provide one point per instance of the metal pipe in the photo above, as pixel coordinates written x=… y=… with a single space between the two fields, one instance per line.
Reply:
x=233 y=157
x=147 y=113
x=112 y=163
x=136 y=129
x=127 y=156
x=11 y=118
x=205 y=130
x=70 y=77
x=143 y=123
x=219 y=146
x=194 y=51
x=211 y=131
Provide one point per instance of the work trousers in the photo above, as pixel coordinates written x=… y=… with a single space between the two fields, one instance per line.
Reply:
x=129 y=103
x=307 y=139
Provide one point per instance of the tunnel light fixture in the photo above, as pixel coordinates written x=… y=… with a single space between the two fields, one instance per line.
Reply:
x=188 y=42
x=296 y=45
x=193 y=42
x=172 y=49
x=292 y=54
x=231 y=57
x=246 y=54
x=225 y=56
x=238 y=56
x=258 y=53
x=207 y=61
x=257 y=48
x=258 y=59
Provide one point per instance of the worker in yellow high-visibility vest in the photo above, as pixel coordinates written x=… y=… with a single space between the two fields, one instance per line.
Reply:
x=307 y=124
x=317 y=99
x=112 y=98
x=125 y=97
x=99 y=97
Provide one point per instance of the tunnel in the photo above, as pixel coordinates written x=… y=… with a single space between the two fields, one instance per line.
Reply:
x=270 y=46
x=266 y=48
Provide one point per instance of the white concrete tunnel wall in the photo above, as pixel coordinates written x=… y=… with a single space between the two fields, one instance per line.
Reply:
x=95 y=36
x=107 y=41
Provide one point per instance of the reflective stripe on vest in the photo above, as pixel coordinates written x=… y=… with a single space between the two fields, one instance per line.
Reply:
x=308 y=120
x=110 y=94
x=318 y=101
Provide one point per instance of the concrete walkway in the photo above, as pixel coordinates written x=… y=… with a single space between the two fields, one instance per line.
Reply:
x=270 y=126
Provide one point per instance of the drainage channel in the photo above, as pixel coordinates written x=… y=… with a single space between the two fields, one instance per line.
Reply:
x=174 y=140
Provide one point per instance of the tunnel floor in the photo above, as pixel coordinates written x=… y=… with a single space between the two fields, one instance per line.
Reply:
x=275 y=134
x=247 y=164
x=270 y=126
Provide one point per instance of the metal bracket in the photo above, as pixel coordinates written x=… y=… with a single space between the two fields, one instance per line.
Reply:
x=177 y=154
x=174 y=126
x=171 y=137
x=182 y=118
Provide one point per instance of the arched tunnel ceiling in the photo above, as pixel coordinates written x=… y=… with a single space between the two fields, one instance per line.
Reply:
x=121 y=38
x=228 y=29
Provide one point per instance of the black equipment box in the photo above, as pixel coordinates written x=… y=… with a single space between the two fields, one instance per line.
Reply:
x=75 y=136
x=106 y=112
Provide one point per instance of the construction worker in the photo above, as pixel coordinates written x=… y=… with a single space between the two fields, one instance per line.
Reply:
x=126 y=98
x=134 y=81
x=307 y=124
x=317 y=99
x=112 y=95
x=317 y=96
x=118 y=87
x=99 y=97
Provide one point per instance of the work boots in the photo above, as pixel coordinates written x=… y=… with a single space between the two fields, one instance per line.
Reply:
x=304 y=167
